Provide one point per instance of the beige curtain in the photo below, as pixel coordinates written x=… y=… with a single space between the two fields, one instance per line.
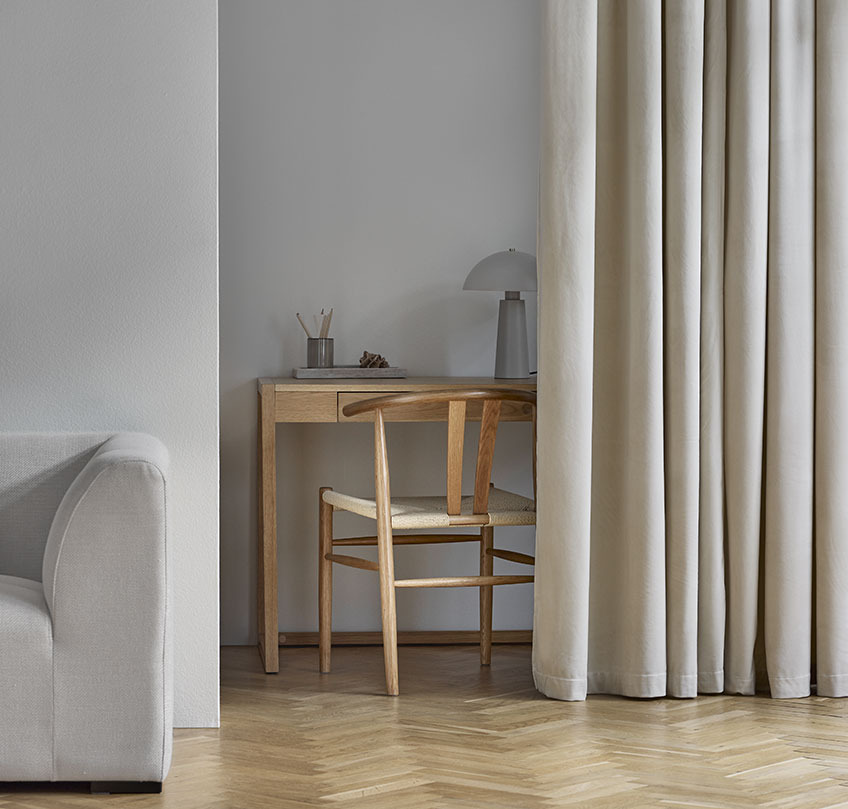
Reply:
x=693 y=358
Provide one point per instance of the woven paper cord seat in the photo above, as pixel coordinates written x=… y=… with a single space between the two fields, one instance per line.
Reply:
x=505 y=508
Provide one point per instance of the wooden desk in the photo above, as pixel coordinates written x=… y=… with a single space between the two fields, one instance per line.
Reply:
x=321 y=400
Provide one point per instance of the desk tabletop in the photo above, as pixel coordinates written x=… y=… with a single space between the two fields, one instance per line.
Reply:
x=409 y=383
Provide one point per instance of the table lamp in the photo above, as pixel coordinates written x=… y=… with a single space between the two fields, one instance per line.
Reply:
x=510 y=272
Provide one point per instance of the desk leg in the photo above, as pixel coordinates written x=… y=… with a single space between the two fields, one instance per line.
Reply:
x=267 y=618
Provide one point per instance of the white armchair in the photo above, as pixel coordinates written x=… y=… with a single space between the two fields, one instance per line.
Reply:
x=85 y=643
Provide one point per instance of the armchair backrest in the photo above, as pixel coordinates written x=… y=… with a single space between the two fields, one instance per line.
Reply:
x=36 y=470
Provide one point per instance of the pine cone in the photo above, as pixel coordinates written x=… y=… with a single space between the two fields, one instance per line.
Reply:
x=369 y=360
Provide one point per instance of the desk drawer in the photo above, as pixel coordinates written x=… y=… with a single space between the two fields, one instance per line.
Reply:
x=303 y=406
x=510 y=411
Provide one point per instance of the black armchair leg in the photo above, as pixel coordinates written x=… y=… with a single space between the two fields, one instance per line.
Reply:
x=126 y=787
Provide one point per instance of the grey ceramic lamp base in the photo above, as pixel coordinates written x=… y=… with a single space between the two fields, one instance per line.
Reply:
x=512 y=360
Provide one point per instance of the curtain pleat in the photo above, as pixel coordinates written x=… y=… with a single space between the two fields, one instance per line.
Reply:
x=683 y=39
x=693 y=385
x=790 y=386
x=628 y=521
x=745 y=268
x=831 y=465
x=711 y=503
x=566 y=318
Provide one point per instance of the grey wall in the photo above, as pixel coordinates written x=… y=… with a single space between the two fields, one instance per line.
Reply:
x=371 y=153
x=108 y=271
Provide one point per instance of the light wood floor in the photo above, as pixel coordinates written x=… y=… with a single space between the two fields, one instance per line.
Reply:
x=462 y=736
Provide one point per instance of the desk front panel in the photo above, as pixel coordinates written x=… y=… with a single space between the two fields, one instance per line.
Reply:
x=306 y=406
x=311 y=401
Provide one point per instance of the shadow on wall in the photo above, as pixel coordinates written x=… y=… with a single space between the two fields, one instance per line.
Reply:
x=27 y=506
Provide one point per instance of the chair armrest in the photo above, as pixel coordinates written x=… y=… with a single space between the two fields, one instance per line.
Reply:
x=105 y=583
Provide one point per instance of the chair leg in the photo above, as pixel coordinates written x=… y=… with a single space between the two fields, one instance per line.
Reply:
x=385 y=554
x=325 y=581
x=487 y=562
x=388 y=614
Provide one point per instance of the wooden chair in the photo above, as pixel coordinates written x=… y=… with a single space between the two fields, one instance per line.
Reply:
x=486 y=508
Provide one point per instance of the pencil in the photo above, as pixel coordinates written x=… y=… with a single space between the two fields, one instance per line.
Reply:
x=304 y=325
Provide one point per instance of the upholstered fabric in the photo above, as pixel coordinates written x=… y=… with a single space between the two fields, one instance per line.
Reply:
x=35 y=472
x=109 y=664
x=26 y=682
x=505 y=508
x=104 y=604
x=26 y=584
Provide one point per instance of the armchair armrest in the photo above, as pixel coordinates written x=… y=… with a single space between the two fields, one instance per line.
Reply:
x=105 y=583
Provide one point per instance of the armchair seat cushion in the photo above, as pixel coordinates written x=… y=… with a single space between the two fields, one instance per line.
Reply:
x=505 y=508
x=26 y=681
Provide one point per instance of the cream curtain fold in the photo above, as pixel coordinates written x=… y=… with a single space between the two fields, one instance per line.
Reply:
x=693 y=348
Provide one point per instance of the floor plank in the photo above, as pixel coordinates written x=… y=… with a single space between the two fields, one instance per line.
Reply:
x=465 y=736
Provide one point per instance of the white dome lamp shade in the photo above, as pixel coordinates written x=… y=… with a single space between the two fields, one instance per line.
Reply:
x=510 y=272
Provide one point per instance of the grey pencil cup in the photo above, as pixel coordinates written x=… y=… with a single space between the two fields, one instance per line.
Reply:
x=319 y=352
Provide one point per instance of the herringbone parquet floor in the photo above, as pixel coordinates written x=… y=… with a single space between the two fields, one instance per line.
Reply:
x=465 y=737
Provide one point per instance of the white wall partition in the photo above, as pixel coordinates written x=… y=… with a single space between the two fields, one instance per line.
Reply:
x=108 y=260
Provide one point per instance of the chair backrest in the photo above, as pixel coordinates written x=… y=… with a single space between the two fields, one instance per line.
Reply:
x=457 y=402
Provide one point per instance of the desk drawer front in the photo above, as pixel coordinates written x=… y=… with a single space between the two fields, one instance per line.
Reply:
x=302 y=406
x=510 y=411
